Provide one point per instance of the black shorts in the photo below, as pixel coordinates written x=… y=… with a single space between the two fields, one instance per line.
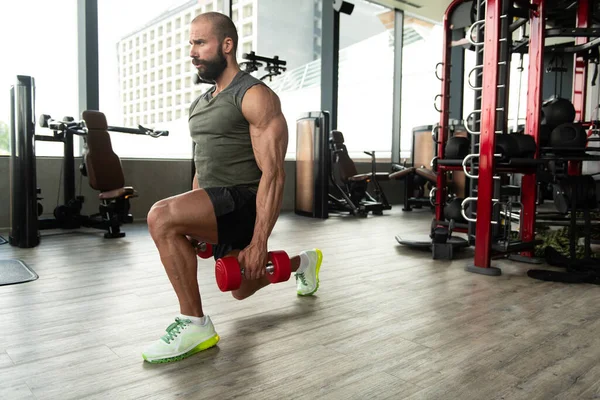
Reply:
x=235 y=208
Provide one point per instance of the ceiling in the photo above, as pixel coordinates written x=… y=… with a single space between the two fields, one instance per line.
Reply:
x=428 y=9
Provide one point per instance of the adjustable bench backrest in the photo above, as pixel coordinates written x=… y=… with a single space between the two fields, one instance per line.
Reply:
x=103 y=166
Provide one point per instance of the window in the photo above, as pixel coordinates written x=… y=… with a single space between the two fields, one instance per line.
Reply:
x=422 y=46
x=234 y=16
x=248 y=10
x=365 y=36
x=209 y=7
x=247 y=47
x=115 y=32
x=248 y=29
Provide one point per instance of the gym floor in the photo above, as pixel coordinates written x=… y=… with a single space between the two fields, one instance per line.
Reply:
x=387 y=322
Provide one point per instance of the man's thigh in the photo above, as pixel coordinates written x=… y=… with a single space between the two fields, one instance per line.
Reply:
x=191 y=213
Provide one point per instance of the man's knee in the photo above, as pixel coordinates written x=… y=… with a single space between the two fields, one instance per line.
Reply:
x=248 y=288
x=240 y=295
x=158 y=218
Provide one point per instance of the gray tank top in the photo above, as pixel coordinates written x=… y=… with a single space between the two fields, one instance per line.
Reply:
x=223 y=155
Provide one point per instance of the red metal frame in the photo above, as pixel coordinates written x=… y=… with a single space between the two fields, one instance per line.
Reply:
x=487 y=139
x=580 y=75
x=537 y=17
x=445 y=107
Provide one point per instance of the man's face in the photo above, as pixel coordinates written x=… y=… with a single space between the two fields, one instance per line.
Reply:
x=206 y=51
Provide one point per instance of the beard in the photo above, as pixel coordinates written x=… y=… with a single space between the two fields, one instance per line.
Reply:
x=211 y=69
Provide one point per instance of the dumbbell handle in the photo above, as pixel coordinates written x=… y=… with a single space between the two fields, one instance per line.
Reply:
x=270 y=268
x=201 y=246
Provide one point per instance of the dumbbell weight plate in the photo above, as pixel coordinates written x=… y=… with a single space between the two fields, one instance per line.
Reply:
x=279 y=268
x=228 y=273
x=204 y=250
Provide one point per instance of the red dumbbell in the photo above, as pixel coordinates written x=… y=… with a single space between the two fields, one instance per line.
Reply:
x=229 y=272
x=203 y=249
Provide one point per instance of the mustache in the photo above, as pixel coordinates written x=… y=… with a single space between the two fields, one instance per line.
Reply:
x=197 y=61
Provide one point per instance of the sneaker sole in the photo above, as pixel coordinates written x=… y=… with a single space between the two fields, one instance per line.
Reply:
x=207 y=344
x=319 y=260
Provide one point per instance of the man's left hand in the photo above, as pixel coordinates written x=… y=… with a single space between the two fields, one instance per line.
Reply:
x=254 y=260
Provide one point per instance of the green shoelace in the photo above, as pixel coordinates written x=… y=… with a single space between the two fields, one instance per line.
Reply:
x=175 y=329
x=302 y=278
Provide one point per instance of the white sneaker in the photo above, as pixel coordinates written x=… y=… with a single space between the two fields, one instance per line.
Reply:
x=182 y=340
x=307 y=276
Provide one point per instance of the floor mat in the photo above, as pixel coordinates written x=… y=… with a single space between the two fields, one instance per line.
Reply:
x=15 y=271
x=2 y=240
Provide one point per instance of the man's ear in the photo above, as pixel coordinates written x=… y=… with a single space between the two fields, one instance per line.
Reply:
x=228 y=46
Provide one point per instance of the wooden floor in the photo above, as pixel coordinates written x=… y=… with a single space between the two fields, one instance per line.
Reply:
x=387 y=323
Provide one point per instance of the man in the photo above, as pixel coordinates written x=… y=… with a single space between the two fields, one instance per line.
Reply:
x=241 y=139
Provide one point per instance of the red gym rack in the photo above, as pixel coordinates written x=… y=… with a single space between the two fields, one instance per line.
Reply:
x=487 y=144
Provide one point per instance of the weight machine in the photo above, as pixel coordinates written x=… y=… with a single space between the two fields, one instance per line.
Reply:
x=100 y=164
x=274 y=66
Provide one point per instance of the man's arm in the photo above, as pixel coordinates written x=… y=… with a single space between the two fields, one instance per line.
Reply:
x=269 y=135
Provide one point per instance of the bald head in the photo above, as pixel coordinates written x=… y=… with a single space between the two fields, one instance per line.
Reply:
x=222 y=26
